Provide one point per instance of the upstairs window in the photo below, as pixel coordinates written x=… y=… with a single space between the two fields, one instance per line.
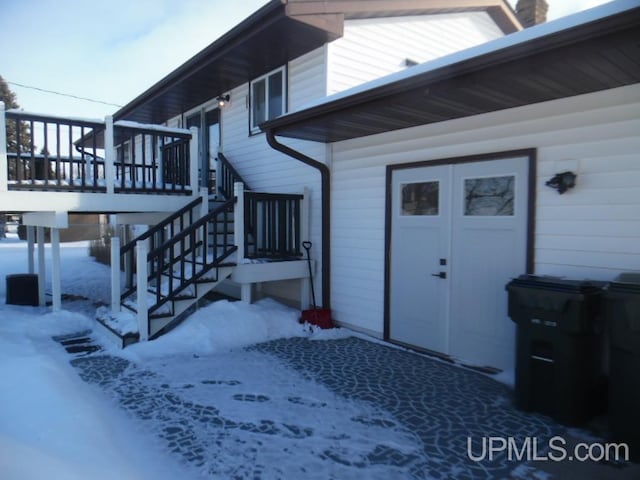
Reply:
x=268 y=98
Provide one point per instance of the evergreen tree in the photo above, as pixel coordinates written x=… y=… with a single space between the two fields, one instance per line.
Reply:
x=10 y=101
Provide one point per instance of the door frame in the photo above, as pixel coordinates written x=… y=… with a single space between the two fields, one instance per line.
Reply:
x=530 y=153
x=200 y=118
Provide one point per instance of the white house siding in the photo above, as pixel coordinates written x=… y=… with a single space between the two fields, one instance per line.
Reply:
x=592 y=231
x=265 y=169
x=376 y=47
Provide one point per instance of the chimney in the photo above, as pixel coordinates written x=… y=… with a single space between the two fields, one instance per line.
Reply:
x=531 y=12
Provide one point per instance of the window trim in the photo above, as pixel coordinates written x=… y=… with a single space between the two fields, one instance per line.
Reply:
x=255 y=129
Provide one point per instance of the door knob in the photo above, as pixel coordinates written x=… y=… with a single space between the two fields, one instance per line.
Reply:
x=440 y=274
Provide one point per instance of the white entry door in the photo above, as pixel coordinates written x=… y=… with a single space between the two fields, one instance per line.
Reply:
x=458 y=235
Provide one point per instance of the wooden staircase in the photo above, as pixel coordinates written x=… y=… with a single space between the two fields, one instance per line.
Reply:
x=192 y=251
x=184 y=257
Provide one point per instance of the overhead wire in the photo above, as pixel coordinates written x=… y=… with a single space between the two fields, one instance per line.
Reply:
x=31 y=87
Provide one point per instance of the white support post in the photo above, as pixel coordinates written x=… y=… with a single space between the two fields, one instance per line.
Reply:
x=204 y=209
x=31 y=240
x=238 y=220
x=245 y=293
x=109 y=155
x=4 y=171
x=194 y=162
x=56 y=285
x=128 y=260
x=238 y=235
x=142 y=250
x=218 y=176
x=115 y=274
x=305 y=282
x=41 y=267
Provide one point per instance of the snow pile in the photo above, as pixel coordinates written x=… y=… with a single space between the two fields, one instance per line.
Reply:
x=51 y=421
x=224 y=326
x=54 y=425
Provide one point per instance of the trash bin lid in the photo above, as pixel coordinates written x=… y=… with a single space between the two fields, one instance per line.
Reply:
x=626 y=282
x=557 y=284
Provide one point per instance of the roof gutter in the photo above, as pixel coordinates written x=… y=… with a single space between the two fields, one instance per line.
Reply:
x=325 y=179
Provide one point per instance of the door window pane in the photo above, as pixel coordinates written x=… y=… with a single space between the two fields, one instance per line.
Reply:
x=420 y=198
x=489 y=196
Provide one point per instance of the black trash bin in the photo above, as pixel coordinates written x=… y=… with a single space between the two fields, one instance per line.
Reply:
x=22 y=289
x=623 y=312
x=560 y=346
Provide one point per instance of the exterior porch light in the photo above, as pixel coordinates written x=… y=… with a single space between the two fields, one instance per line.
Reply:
x=223 y=100
x=562 y=181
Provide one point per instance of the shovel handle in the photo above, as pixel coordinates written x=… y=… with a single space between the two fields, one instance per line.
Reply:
x=306 y=246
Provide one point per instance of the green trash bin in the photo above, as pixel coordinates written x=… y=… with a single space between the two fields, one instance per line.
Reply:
x=559 y=347
x=623 y=312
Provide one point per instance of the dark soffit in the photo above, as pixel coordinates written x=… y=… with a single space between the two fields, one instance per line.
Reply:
x=243 y=53
x=590 y=57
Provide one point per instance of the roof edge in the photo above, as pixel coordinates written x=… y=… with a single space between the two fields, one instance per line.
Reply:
x=264 y=15
x=530 y=41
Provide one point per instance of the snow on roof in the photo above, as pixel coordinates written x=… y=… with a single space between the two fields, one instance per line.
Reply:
x=19 y=111
x=150 y=126
x=521 y=37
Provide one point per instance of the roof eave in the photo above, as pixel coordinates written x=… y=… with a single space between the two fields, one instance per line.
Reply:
x=285 y=126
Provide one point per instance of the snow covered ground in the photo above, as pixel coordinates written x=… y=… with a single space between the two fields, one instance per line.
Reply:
x=54 y=425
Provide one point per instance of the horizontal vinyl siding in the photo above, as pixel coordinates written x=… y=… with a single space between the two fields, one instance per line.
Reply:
x=376 y=47
x=592 y=231
x=267 y=170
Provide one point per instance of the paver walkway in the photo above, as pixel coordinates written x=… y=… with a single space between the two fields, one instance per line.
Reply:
x=361 y=406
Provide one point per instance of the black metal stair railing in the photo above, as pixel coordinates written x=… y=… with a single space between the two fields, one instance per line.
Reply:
x=157 y=236
x=189 y=257
x=272 y=225
x=228 y=176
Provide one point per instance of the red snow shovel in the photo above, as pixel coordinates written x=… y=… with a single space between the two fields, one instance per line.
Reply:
x=320 y=317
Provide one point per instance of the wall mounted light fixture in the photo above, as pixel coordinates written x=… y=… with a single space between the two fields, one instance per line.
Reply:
x=223 y=100
x=562 y=181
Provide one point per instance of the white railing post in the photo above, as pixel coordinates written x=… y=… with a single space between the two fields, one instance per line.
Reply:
x=142 y=250
x=204 y=209
x=4 y=170
x=304 y=216
x=238 y=220
x=109 y=155
x=194 y=162
x=115 y=274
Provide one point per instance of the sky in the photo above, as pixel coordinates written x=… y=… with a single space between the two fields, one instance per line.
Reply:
x=113 y=50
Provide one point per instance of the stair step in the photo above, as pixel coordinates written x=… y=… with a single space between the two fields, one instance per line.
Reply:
x=175 y=297
x=79 y=344
x=128 y=307
x=177 y=277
